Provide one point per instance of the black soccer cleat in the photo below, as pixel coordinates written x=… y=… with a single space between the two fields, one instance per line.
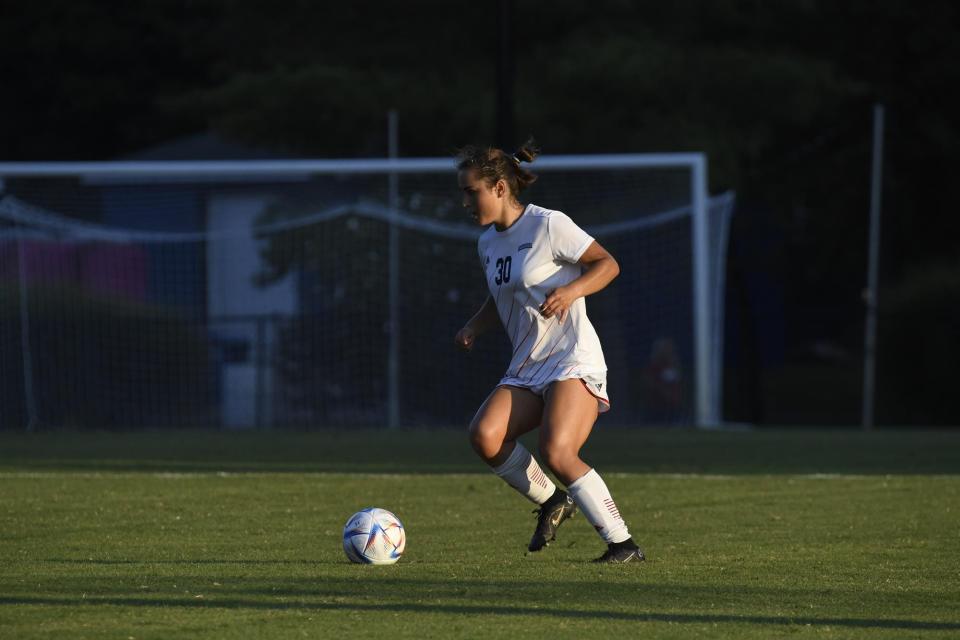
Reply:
x=622 y=552
x=550 y=515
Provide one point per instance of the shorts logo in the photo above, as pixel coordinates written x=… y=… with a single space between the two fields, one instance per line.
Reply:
x=599 y=386
x=525 y=245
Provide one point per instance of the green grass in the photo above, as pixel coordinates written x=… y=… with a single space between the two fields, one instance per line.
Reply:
x=210 y=535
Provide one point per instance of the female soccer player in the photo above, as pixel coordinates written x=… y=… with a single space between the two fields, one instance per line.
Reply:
x=539 y=267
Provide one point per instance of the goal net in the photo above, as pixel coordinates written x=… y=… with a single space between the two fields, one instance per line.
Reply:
x=316 y=294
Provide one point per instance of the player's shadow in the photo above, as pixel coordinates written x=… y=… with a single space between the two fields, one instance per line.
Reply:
x=466 y=596
x=483 y=610
x=204 y=561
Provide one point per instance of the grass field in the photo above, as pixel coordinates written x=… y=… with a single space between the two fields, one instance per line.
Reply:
x=761 y=534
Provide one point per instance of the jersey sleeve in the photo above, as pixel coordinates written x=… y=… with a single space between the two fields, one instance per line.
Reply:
x=567 y=240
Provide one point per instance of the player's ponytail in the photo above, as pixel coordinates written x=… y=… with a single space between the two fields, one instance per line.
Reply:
x=527 y=152
x=492 y=164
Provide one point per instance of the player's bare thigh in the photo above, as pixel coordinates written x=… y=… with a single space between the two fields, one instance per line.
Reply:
x=569 y=413
x=506 y=414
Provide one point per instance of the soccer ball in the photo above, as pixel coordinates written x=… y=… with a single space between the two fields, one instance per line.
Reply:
x=374 y=536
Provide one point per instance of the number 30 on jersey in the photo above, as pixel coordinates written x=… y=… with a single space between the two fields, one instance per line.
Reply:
x=503 y=270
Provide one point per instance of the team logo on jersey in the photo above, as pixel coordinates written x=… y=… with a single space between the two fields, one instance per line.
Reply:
x=525 y=245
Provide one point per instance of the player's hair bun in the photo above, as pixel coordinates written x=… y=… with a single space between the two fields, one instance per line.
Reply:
x=494 y=164
x=527 y=152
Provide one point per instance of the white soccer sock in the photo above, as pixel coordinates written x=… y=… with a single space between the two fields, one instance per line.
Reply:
x=592 y=496
x=522 y=472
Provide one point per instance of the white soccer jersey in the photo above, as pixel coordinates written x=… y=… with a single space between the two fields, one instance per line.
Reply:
x=523 y=263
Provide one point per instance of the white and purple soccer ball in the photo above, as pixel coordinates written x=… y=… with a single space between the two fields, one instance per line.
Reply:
x=374 y=536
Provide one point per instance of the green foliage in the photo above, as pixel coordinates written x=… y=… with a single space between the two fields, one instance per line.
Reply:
x=340 y=333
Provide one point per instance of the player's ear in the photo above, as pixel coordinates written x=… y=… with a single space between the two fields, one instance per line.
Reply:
x=500 y=188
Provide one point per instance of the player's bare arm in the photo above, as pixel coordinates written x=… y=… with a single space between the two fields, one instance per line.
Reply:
x=485 y=319
x=600 y=268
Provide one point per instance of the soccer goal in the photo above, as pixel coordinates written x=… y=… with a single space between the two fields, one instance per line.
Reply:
x=327 y=293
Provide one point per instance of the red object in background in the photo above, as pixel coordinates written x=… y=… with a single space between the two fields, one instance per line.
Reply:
x=96 y=267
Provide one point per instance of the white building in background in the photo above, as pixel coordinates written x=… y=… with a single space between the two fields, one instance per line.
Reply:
x=238 y=310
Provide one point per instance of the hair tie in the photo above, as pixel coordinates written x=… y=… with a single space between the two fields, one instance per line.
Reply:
x=516 y=159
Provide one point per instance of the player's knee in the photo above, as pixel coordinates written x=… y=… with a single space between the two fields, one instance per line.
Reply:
x=485 y=440
x=557 y=455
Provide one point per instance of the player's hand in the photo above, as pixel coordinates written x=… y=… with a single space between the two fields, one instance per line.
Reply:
x=557 y=303
x=465 y=338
